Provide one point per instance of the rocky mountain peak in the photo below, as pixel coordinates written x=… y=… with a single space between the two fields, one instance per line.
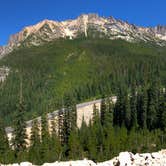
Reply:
x=49 y=30
x=160 y=29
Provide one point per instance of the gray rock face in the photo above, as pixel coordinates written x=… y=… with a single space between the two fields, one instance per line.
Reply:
x=1 y=49
x=160 y=30
x=4 y=72
x=110 y=27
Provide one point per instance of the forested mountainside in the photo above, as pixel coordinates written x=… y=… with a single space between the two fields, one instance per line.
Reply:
x=54 y=65
x=84 y=68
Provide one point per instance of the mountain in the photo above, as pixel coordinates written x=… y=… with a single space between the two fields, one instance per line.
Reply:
x=86 y=25
x=76 y=57
x=56 y=65
x=85 y=68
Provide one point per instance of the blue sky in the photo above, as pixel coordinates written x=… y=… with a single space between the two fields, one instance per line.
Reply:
x=16 y=14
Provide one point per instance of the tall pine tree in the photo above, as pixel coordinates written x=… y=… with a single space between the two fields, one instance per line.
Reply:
x=133 y=105
x=19 y=135
x=4 y=144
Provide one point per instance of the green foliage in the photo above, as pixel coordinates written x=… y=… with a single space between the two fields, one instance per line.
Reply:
x=75 y=149
x=35 y=141
x=4 y=146
x=35 y=136
x=133 y=107
x=19 y=140
x=97 y=141
x=127 y=113
x=65 y=72
x=103 y=110
x=45 y=139
x=85 y=68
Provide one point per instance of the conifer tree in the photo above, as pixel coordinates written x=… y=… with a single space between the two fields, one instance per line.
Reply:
x=60 y=125
x=66 y=132
x=162 y=112
x=55 y=145
x=4 y=144
x=119 y=110
x=143 y=102
x=109 y=112
x=45 y=139
x=70 y=108
x=69 y=122
x=92 y=142
x=127 y=112
x=151 y=110
x=83 y=134
x=95 y=117
x=133 y=105
x=19 y=139
x=103 y=110
x=44 y=128
x=35 y=133
x=35 y=143
x=75 y=150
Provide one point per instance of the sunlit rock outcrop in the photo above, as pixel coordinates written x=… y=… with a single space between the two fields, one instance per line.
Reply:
x=124 y=159
x=86 y=25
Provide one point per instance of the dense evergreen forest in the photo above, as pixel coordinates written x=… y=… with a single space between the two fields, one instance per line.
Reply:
x=83 y=68
x=136 y=122
x=62 y=73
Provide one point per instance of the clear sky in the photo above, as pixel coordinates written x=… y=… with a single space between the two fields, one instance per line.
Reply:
x=16 y=14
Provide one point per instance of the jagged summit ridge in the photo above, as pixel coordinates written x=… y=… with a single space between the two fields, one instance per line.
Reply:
x=49 y=30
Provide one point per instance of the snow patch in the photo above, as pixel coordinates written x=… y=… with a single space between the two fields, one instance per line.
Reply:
x=4 y=72
x=68 y=33
x=85 y=20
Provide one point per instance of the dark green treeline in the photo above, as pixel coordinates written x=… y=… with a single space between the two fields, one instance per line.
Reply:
x=137 y=123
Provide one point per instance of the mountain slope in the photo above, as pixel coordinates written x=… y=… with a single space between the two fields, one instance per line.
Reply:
x=48 y=30
x=85 y=68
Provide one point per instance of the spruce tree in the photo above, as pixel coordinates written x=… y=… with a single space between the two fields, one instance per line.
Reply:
x=162 y=112
x=103 y=110
x=35 y=133
x=60 y=125
x=92 y=142
x=75 y=150
x=133 y=105
x=83 y=134
x=142 y=110
x=95 y=117
x=35 y=142
x=151 y=110
x=119 y=110
x=66 y=129
x=70 y=109
x=45 y=139
x=109 y=112
x=55 y=149
x=44 y=128
x=4 y=144
x=69 y=121
x=127 y=112
x=19 y=134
